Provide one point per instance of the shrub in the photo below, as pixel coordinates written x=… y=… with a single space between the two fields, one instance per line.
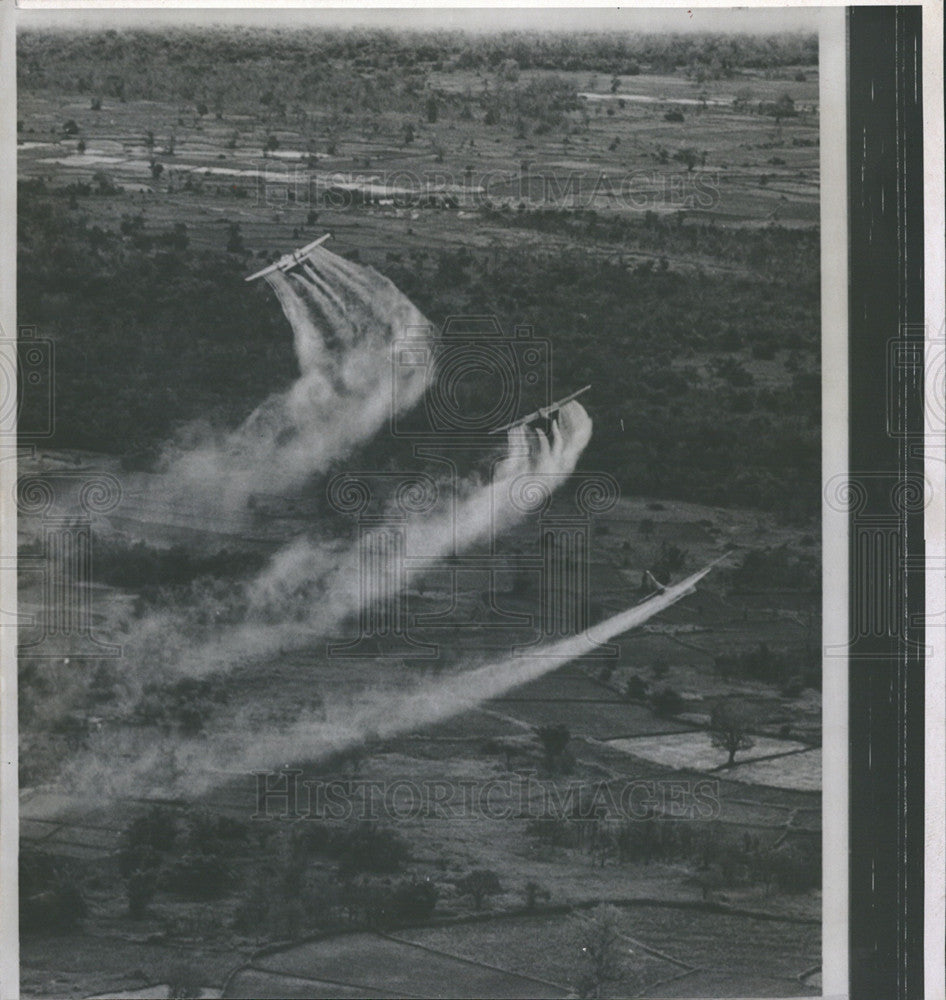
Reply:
x=673 y=116
x=554 y=832
x=729 y=728
x=554 y=739
x=51 y=899
x=667 y=703
x=198 y=876
x=253 y=908
x=140 y=888
x=369 y=848
x=669 y=559
x=793 y=687
x=535 y=892
x=635 y=689
x=235 y=242
x=185 y=981
x=156 y=829
x=414 y=900
x=479 y=884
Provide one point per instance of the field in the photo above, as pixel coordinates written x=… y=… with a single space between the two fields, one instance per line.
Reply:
x=653 y=216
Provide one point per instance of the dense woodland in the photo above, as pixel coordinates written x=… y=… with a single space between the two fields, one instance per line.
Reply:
x=235 y=68
x=152 y=334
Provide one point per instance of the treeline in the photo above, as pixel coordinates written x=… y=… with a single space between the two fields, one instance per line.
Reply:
x=677 y=411
x=146 y=337
x=226 y=66
x=795 y=253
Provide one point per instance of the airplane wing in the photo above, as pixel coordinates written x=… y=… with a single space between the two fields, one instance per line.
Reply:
x=266 y=270
x=289 y=260
x=542 y=412
x=527 y=419
x=313 y=245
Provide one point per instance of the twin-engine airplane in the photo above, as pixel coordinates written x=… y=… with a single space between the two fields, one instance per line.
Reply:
x=290 y=259
x=543 y=413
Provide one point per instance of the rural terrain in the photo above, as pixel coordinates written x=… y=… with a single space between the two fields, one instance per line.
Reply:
x=647 y=208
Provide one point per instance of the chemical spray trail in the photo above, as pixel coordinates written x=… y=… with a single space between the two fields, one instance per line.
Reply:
x=198 y=765
x=298 y=573
x=345 y=320
x=311 y=586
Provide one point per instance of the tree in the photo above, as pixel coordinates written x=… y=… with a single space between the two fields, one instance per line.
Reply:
x=785 y=107
x=479 y=884
x=667 y=703
x=432 y=109
x=598 y=936
x=668 y=559
x=235 y=239
x=636 y=689
x=414 y=900
x=509 y=70
x=729 y=724
x=370 y=848
x=533 y=893
x=689 y=157
x=554 y=740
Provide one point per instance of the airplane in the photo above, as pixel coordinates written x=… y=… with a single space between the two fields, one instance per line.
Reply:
x=290 y=259
x=543 y=413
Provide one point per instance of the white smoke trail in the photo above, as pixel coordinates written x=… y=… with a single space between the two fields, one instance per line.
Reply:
x=312 y=586
x=334 y=593
x=345 y=319
x=199 y=764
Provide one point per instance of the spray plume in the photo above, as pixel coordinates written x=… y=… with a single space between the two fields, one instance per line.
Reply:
x=312 y=585
x=331 y=594
x=345 y=320
x=200 y=764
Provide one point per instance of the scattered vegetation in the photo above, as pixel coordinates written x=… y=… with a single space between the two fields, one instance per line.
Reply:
x=598 y=934
x=730 y=723
x=479 y=885
x=224 y=71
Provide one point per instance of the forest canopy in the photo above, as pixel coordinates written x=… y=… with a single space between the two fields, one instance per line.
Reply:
x=239 y=67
